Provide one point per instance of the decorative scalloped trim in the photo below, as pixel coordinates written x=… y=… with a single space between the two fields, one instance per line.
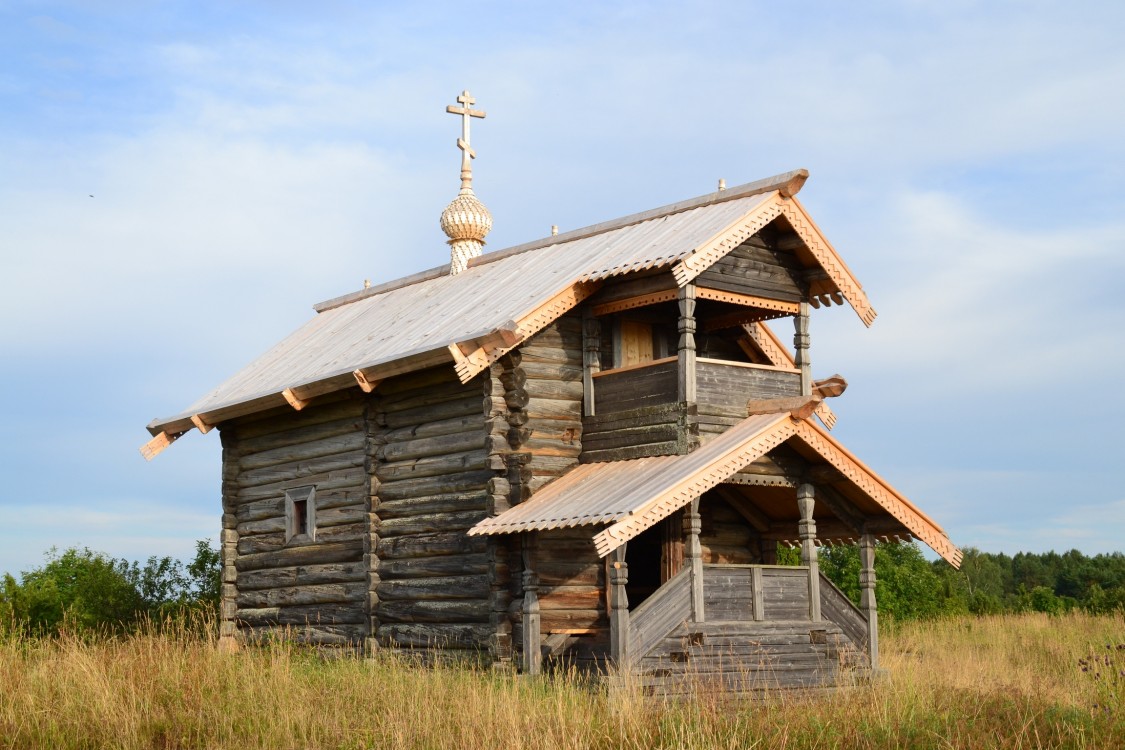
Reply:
x=669 y=502
x=707 y=254
x=829 y=259
x=874 y=489
x=470 y=365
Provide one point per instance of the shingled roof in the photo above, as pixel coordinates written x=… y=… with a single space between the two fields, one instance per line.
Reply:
x=435 y=318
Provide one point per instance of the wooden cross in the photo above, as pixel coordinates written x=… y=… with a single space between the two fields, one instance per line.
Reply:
x=467 y=152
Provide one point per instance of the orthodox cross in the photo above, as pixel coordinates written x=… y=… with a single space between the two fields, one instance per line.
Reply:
x=467 y=153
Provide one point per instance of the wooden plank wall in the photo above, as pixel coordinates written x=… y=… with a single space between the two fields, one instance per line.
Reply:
x=652 y=385
x=648 y=431
x=319 y=588
x=786 y=593
x=756 y=269
x=731 y=386
x=431 y=474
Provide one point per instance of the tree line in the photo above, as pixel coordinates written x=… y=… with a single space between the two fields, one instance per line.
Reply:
x=81 y=589
x=910 y=587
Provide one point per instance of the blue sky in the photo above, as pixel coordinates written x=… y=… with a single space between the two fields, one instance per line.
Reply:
x=250 y=159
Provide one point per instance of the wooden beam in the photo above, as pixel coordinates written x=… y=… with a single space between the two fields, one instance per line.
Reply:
x=200 y=425
x=630 y=303
x=748 y=300
x=743 y=317
x=294 y=401
x=830 y=387
x=364 y=383
x=755 y=517
x=801 y=407
x=838 y=504
x=156 y=445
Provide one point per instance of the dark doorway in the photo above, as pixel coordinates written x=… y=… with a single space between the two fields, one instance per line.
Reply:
x=643 y=558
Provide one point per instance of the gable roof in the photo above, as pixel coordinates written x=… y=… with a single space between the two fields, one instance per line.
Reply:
x=433 y=318
x=633 y=495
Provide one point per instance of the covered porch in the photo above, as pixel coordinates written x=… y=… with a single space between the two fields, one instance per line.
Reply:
x=689 y=546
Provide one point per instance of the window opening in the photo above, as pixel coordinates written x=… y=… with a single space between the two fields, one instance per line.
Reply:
x=300 y=514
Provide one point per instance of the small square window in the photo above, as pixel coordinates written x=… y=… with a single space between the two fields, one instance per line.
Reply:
x=300 y=514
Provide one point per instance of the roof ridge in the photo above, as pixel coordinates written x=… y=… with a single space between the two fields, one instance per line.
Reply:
x=788 y=183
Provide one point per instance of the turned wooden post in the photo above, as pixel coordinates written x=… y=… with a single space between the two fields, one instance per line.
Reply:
x=532 y=655
x=686 y=352
x=591 y=358
x=694 y=555
x=801 y=348
x=619 y=608
x=867 y=596
x=807 y=527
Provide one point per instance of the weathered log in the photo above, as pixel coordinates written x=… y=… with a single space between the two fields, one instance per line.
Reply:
x=275 y=541
x=402 y=488
x=311 y=635
x=442 y=445
x=333 y=428
x=555 y=389
x=304 y=450
x=550 y=408
x=269 y=578
x=432 y=377
x=437 y=611
x=569 y=597
x=284 y=419
x=311 y=554
x=427 y=545
x=553 y=371
x=323 y=593
x=461 y=636
x=429 y=523
x=424 y=567
x=344 y=479
x=302 y=470
x=452 y=463
x=328 y=614
x=442 y=587
x=552 y=447
x=444 y=503
x=534 y=353
x=452 y=426
x=460 y=407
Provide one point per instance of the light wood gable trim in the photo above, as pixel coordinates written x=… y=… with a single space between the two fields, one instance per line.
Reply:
x=776 y=352
x=661 y=506
x=748 y=300
x=875 y=487
x=631 y=303
x=826 y=255
x=734 y=234
x=472 y=357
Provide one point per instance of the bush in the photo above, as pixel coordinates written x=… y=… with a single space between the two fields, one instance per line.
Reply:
x=83 y=590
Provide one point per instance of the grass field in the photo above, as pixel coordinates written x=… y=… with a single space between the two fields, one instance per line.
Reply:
x=1011 y=682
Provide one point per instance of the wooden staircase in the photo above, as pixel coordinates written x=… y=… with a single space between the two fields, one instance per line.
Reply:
x=745 y=657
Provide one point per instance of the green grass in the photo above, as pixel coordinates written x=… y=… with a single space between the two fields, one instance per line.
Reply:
x=1011 y=682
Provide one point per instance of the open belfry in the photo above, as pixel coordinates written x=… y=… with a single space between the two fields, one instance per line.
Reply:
x=584 y=449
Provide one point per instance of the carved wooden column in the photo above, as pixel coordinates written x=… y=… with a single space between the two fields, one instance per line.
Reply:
x=532 y=655
x=867 y=596
x=591 y=358
x=619 y=608
x=801 y=348
x=686 y=389
x=694 y=558
x=807 y=527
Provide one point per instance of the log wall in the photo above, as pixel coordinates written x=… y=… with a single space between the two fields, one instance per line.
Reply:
x=756 y=269
x=551 y=366
x=429 y=460
x=725 y=537
x=318 y=588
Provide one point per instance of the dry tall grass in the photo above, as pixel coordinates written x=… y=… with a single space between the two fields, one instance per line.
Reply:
x=1011 y=682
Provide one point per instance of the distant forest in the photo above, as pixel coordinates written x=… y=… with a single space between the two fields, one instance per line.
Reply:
x=909 y=587
x=80 y=589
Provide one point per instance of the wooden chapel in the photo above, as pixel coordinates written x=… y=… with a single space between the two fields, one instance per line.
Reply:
x=585 y=448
